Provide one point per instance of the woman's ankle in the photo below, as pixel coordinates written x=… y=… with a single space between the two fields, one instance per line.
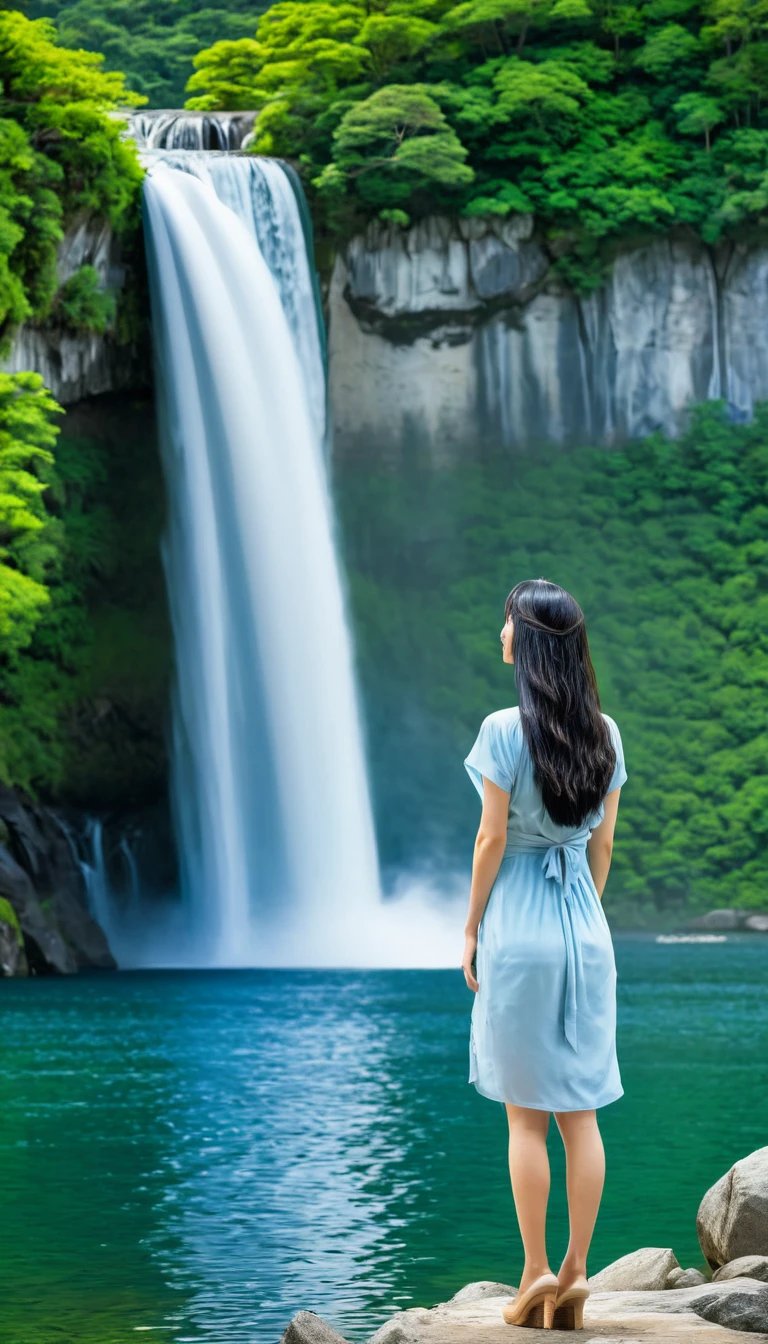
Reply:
x=532 y=1272
x=573 y=1267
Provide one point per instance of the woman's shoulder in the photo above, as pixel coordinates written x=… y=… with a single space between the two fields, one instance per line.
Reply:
x=503 y=718
x=613 y=728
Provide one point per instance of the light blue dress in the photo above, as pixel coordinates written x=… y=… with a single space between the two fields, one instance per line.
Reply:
x=543 y=1026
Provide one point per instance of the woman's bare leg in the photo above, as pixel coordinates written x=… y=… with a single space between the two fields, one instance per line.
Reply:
x=529 y=1173
x=584 y=1176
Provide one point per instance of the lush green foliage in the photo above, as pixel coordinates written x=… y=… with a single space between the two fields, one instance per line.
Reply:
x=81 y=303
x=664 y=544
x=151 y=41
x=84 y=673
x=604 y=119
x=29 y=543
x=60 y=154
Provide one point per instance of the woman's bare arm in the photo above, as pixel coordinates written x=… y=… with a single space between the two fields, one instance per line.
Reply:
x=600 y=843
x=489 y=850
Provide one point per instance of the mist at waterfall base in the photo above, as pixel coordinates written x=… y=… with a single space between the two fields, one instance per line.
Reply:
x=272 y=814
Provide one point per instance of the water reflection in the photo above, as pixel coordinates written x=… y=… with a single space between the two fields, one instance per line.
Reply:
x=198 y=1155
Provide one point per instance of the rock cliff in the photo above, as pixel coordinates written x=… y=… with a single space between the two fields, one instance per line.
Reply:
x=452 y=335
x=45 y=924
x=75 y=365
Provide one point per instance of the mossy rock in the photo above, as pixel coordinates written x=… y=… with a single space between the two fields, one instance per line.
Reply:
x=8 y=916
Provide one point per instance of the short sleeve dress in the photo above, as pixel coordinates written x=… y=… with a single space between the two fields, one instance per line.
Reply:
x=543 y=1025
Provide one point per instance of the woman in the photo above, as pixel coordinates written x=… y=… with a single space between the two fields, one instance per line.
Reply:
x=538 y=952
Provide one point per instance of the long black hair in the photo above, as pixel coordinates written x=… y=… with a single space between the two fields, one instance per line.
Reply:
x=567 y=736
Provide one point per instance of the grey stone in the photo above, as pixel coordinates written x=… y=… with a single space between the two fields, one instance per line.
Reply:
x=756 y=923
x=475 y=1292
x=16 y=887
x=732 y=1220
x=738 y=1311
x=408 y=1327
x=645 y=1270
x=76 y=365
x=307 y=1328
x=44 y=884
x=690 y=1278
x=720 y=920
x=612 y=1318
x=746 y=1267
x=447 y=335
x=674 y=1275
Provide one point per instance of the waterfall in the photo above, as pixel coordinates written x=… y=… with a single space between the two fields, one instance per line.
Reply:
x=167 y=129
x=273 y=818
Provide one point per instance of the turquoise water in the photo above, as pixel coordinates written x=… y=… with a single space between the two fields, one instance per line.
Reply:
x=196 y=1156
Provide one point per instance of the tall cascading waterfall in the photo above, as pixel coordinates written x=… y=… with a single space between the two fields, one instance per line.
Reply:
x=273 y=818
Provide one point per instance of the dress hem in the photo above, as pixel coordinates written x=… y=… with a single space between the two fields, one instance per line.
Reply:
x=537 y=1106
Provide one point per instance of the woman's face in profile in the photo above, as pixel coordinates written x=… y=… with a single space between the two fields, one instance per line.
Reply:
x=505 y=635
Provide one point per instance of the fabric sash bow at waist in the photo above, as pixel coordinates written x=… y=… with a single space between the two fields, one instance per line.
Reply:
x=562 y=863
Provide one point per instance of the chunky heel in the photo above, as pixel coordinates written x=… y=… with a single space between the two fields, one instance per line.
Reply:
x=535 y=1308
x=569 y=1308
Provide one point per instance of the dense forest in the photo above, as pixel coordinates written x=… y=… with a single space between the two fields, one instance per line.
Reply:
x=152 y=42
x=603 y=119
x=665 y=545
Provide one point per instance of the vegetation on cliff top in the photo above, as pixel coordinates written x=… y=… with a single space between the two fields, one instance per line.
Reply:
x=152 y=42
x=60 y=154
x=604 y=119
x=664 y=544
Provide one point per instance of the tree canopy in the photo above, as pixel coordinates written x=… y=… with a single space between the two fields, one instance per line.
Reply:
x=152 y=42
x=605 y=120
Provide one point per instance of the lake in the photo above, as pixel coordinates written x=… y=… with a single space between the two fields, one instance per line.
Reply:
x=198 y=1155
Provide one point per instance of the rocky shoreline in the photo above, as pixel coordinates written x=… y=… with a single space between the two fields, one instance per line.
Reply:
x=646 y=1295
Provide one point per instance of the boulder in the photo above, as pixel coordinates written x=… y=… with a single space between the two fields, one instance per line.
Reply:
x=756 y=923
x=690 y=1278
x=43 y=940
x=727 y=919
x=644 y=1270
x=610 y=1318
x=475 y=1292
x=738 y=1311
x=733 y=1215
x=41 y=877
x=746 y=1267
x=674 y=1275
x=307 y=1328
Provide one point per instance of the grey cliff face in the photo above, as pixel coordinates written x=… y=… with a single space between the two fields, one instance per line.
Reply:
x=79 y=365
x=451 y=335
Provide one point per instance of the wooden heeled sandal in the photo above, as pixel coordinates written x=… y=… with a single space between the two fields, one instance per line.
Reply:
x=535 y=1307
x=569 y=1306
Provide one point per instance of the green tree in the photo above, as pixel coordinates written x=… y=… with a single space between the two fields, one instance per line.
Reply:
x=29 y=544
x=397 y=133
x=698 y=115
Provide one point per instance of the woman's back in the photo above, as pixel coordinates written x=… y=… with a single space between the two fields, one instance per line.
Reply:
x=501 y=754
